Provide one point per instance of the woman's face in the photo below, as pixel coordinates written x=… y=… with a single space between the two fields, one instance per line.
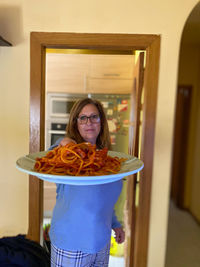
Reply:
x=89 y=128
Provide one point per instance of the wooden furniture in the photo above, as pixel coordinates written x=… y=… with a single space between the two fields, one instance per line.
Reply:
x=86 y=73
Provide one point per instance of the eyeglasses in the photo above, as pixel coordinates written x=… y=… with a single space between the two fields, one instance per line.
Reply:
x=84 y=119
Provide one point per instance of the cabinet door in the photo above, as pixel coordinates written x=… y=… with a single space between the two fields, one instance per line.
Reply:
x=109 y=86
x=111 y=66
x=111 y=74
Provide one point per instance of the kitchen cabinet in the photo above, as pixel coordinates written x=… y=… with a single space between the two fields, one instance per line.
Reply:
x=111 y=66
x=84 y=73
x=110 y=74
x=66 y=73
x=108 y=86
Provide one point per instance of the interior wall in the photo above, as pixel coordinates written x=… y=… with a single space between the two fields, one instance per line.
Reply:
x=18 y=18
x=189 y=74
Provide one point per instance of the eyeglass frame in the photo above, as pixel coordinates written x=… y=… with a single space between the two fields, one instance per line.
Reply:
x=89 y=118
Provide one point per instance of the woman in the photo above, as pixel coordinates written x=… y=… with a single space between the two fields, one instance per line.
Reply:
x=83 y=216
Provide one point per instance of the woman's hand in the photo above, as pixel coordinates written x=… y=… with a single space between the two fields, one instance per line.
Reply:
x=66 y=140
x=119 y=235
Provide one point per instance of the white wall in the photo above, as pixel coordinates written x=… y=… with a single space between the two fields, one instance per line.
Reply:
x=17 y=19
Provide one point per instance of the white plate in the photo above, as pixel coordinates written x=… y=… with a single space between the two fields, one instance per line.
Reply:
x=130 y=166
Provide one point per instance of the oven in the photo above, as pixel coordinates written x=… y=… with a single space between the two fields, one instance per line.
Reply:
x=55 y=131
x=58 y=107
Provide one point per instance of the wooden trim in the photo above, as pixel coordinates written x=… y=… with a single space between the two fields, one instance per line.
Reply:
x=134 y=146
x=151 y=43
x=180 y=144
x=94 y=40
x=147 y=150
x=36 y=142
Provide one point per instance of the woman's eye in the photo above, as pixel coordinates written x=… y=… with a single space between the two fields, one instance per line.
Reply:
x=94 y=117
x=83 y=118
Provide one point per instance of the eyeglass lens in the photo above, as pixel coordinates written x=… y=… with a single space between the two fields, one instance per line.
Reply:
x=93 y=118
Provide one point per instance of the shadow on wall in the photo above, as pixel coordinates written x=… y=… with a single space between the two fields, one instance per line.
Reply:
x=11 y=24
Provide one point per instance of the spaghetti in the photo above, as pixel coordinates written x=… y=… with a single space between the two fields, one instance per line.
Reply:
x=78 y=160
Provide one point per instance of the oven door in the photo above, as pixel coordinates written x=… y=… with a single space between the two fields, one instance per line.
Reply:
x=53 y=136
x=54 y=131
x=60 y=107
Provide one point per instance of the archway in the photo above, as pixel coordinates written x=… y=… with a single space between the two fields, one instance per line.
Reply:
x=184 y=212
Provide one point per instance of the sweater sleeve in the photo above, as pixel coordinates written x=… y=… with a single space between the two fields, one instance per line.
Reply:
x=56 y=144
x=115 y=222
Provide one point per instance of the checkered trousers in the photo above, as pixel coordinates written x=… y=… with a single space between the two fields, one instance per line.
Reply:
x=64 y=258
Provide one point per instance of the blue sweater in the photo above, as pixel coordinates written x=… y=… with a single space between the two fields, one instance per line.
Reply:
x=84 y=216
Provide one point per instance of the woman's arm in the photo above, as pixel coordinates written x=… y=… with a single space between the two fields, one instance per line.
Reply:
x=115 y=222
x=67 y=140
x=118 y=229
x=62 y=141
x=56 y=144
x=119 y=235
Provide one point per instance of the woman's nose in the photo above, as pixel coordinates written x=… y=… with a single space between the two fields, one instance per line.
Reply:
x=89 y=121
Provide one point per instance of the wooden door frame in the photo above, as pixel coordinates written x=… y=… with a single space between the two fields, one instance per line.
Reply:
x=180 y=144
x=39 y=41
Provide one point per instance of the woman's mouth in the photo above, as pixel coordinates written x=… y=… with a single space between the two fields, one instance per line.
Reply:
x=89 y=130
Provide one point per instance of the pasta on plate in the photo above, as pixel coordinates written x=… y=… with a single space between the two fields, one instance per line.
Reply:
x=78 y=160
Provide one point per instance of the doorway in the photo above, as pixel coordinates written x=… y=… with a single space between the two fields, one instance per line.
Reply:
x=109 y=77
x=149 y=43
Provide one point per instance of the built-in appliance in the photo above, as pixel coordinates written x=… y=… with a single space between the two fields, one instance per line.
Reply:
x=58 y=107
x=56 y=131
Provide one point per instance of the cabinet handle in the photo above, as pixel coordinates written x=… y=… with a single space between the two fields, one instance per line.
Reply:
x=111 y=74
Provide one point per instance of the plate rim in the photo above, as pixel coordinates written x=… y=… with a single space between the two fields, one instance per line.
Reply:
x=78 y=179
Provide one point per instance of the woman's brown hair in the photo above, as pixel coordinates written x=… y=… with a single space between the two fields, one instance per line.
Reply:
x=103 y=139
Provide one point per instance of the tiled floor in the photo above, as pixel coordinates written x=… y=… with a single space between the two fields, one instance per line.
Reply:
x=183 y=245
